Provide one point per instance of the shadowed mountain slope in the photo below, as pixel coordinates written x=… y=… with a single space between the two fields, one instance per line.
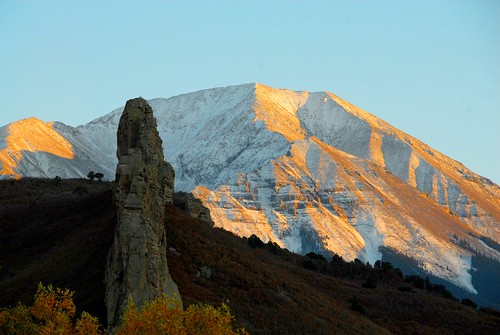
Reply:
x=60 y=233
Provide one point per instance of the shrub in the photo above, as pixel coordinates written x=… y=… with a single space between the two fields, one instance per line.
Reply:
x=273 y=247
x=370 y=283
x=356 y=306
x=490 y=311
x=469 y=302
x=255 y=242
x=309 y=264
x=80 y=190
x=313 y=255
x=158 y=317
x=398 y=272
x=387 y=266
x=53 y=312
x=416 y=281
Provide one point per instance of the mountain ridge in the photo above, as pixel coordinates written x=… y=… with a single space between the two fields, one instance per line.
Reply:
x=313 y=172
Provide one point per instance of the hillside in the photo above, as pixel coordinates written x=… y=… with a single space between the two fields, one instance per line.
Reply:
x=60 y=233
x=306 y=170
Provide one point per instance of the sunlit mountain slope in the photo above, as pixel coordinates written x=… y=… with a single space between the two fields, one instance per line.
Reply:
x=31 y=147
x=315 y=173
x=27 y=140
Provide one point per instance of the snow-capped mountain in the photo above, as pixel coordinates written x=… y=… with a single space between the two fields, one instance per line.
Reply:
x=308 y=171
x=31 y=147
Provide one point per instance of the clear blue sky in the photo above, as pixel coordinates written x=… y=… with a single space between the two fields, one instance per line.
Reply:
x=430 y=68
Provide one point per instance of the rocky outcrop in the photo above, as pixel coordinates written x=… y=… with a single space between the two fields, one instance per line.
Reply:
x=193 y=206
x=137 y=263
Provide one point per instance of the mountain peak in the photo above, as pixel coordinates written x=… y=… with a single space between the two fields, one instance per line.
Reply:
x=30 y=135
x=314 y=173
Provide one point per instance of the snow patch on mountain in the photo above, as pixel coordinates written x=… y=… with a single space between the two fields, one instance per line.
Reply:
x=366 y=226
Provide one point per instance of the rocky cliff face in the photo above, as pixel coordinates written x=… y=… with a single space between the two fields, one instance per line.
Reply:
x=137 y=263
x=193 y=206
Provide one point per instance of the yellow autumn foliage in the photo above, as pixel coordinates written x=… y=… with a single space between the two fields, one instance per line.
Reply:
x=53 y=313
x=158 y=317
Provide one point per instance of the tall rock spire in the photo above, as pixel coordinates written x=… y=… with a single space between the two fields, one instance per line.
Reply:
x=137 y=263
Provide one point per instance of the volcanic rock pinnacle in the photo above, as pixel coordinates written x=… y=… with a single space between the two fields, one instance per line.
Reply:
x=137 y=263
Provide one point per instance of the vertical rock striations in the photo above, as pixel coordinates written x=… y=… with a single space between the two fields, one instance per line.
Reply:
x=137 y=263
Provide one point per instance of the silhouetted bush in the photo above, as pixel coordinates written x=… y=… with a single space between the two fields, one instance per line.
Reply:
x=273 y=247
x=425 y=284
x=416 y=281
x=469 y=302
x=309 y=264
x=313 y=255
x=398 y=272
x=337 y=260
x=387 y=266
x=356 y=306
x=441 y=290
x=490 y=311
x=255 y=242
x=80 y=190
x=370 y=283
x=158 y=317
x=53 y=312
